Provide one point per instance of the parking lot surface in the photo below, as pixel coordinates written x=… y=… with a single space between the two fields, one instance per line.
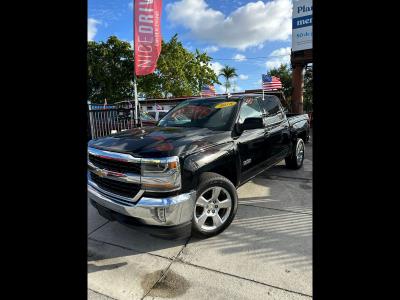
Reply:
x=266 y=253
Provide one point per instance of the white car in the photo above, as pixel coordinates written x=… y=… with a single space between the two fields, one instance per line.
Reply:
x=157 y=114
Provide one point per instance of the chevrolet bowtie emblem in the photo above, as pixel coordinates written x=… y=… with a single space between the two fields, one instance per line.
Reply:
x=106 y=173
x=102 y=173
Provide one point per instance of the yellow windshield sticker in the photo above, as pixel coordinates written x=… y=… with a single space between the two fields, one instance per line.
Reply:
x=225 y=104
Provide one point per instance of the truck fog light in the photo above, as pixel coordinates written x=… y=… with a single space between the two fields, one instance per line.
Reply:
x=161 y=214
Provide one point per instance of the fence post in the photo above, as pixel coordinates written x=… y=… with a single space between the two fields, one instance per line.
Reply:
x=90 y=120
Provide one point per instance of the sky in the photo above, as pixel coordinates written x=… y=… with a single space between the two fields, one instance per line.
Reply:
x=252 y=36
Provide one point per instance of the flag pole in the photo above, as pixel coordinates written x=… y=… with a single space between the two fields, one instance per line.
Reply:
x=136 y=99
x=134 y=71
x=262 y=85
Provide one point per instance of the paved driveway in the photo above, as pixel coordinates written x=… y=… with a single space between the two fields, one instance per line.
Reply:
x=266 y=253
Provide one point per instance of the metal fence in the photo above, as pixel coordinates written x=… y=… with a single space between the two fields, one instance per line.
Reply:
x=108 y=119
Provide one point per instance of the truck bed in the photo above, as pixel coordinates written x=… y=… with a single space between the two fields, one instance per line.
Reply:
x=300 y=124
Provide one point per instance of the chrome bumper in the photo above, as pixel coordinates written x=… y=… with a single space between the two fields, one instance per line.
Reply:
x=169 y=211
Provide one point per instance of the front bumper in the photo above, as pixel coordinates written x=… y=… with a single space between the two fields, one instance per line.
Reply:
x=168 y=211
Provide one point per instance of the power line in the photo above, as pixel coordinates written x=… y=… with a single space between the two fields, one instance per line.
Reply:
x=246 y=58
x=258 y=57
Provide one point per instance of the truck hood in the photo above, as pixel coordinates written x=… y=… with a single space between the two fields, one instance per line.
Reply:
x=158 y=142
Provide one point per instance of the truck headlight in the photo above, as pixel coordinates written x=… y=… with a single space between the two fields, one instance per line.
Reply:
x=161 y=175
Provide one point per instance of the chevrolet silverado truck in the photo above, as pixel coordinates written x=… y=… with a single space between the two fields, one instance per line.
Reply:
x=180 y=177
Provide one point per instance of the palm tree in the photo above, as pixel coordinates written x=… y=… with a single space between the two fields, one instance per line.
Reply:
x=228 y=72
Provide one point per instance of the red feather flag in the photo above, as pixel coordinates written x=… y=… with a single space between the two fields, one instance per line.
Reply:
x=147 y=15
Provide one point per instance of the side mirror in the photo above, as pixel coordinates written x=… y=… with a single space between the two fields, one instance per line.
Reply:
x=252 y=123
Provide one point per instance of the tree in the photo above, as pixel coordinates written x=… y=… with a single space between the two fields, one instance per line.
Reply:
x=110 y=70
x=308 y=89
x=284 y=73
x=228 y=73
x=179 y=72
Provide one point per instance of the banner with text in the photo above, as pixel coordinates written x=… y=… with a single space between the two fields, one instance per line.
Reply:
x=302 y=25
x=147 y=15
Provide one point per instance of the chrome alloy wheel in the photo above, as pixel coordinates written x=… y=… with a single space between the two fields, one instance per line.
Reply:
x=212 y=208
x=300 y=152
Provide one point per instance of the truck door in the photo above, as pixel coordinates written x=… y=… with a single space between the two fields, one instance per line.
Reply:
x=251 y=143
x=277 y=128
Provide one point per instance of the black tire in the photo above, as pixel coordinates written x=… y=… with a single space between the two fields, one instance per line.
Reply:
x=291 y=161
x=208 y=180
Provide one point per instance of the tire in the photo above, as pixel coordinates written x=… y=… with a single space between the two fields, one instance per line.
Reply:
x=296 y=158
x=205 y=221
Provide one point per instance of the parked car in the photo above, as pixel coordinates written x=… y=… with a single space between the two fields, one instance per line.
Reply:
x=157 y=114
x=146 y=119
x=180 y=177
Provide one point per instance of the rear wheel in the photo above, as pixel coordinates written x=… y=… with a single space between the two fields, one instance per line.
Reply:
x=216 y=205
x=296 y=158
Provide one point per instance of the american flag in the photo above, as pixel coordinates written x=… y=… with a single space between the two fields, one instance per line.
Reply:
x=207 y=90
x=271 y=82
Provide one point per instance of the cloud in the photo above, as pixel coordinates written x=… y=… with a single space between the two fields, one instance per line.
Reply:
x=220 y=89
x=278 y=57
x=239 y=57
x=130 y=5
x=130 y=42
x=236 y=88
x=92 y=28
x=281 y=52
x=258 y=82
x=250 y=25
x=211 y=49
x=188 y=47
x=216 y=66
x=243 y=77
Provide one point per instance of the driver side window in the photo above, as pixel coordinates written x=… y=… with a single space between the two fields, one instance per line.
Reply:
x=250 y=109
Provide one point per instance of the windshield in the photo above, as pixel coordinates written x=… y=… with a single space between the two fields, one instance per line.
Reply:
x=213 y=113
x=161 y=114
x=145 y=116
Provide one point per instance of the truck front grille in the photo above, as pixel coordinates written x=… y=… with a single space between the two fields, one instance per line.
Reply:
x=115 y=165
x=117 y=187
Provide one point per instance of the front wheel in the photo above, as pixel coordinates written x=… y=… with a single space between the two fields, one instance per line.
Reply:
x=296 y=158
x=216 y=205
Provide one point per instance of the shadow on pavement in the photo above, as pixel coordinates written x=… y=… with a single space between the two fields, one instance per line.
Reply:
x=93 y=268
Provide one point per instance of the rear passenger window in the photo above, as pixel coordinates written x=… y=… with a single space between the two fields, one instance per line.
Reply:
x=250 y=109
x=272 y=109
x=270 y=105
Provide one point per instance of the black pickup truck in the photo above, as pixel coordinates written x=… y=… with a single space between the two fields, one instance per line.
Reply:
x=180 y=177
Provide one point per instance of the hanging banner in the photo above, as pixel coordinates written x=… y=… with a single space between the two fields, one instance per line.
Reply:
x=302 y=25
x=147 y=15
